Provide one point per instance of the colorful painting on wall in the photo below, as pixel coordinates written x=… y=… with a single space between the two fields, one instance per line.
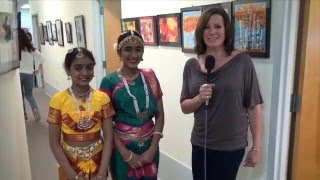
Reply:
x=169 y=29
x=148 y=30
x=189 y=22
x=251 y=20
x=130 y=24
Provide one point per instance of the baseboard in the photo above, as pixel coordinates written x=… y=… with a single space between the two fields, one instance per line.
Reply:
x=171 y=168
x=49 y=89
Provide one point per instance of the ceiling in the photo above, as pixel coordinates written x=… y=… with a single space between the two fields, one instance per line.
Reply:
x=21 y=3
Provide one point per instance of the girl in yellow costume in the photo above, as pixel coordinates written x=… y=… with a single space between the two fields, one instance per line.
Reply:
x=76 y=116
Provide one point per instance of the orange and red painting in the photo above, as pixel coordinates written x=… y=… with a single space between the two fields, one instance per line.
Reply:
x=169 y=30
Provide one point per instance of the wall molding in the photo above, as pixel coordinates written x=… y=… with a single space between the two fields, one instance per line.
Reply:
x=171 y=168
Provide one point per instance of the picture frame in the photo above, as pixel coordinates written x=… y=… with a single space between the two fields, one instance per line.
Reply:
x=68 y=29
x=54 y=32
x=41 y=34
x=45 y=33
x=9 y=38
x=169 y=32
x=130 y=24
x=252 y=37
x=59 y=32
x=80 y=31
x=189 y=19
x=148 y=30
x=49 y=32
x=227 y=6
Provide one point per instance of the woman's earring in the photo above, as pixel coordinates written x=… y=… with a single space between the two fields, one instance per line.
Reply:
x=141 y=59
x=120 y=59
x=68 y=78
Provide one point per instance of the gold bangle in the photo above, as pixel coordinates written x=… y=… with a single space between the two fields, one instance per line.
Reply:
x=159 y=133
x=130 y=157
x=254 y=149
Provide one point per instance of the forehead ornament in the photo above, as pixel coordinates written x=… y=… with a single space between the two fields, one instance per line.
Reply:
x=80 y=53
x=134 y=39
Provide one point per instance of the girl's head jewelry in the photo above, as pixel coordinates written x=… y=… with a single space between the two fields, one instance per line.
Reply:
x=131 y=36
x=80 y=53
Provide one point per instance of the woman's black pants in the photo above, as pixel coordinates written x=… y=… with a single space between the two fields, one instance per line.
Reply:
x=221 y=165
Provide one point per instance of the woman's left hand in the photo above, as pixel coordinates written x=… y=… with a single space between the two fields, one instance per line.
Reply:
x=147 y=156
x=253 y=158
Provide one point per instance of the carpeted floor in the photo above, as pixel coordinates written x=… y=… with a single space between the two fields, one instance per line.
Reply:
x=42 y=161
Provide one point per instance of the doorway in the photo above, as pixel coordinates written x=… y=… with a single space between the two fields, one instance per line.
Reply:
x=304 y=152
x=39 y=78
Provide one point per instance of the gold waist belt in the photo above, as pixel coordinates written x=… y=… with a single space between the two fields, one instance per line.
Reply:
x=134 y=137
x=84 y=153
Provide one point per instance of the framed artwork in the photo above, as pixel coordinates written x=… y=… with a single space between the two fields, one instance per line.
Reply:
x=168 y=27
x=227 y=6
x=41 y=34
x=59 y=32
x=148 y=31
x=49 y=32
x=54 y=32
x=68 y=29
x=45 y=33
x=189 y=20
x=9 y=43
x=251 y=22
x=130 y=24
x=80 y=31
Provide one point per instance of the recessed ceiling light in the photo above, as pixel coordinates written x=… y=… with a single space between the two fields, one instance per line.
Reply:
x=26 y=6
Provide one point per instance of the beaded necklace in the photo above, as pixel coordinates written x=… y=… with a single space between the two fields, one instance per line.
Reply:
x=144 y=114
x=79 y=95
x=85 y=122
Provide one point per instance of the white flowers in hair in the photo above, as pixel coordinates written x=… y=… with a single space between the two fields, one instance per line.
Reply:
x=115 y=46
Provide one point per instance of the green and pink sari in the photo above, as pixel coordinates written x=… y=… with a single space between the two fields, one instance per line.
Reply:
x=135 y=133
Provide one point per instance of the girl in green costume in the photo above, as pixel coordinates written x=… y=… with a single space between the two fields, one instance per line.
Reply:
x=137 y=99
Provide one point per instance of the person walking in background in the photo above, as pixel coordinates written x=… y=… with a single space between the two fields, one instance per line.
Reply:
x=30 y=65
x=76 y=117
x=137 y=98
x=234 y=101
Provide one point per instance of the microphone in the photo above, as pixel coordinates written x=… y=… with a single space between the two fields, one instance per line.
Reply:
x=209 y=65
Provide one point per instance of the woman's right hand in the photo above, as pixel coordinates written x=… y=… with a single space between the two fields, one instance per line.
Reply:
x=206 y=91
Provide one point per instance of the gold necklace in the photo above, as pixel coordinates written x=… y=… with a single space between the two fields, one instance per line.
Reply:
x=80 y=95
x=130 y=78
x=85 y=122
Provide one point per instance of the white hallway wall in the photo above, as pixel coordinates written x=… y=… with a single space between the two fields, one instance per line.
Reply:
x=14 y=156
x=168 y=63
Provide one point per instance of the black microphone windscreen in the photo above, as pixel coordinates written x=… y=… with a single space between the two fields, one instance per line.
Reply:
x=209 y=62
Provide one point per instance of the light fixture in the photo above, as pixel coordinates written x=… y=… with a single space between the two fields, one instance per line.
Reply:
x=26 y=6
